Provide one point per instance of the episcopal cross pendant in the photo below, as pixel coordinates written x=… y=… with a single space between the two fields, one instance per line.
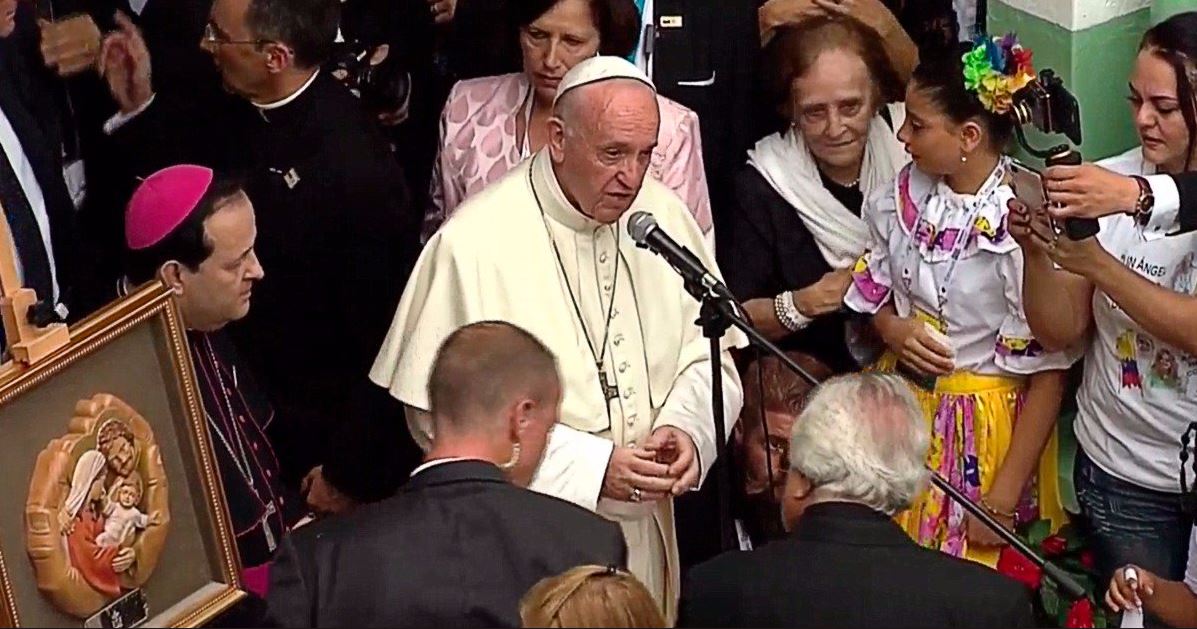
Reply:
x=271 y=544
x=610 y=392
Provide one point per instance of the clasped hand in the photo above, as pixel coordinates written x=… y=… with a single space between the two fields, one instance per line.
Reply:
x=664 y=465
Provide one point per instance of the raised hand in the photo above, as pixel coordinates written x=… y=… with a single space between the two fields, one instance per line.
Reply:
x=124 y=62
x=70 y=46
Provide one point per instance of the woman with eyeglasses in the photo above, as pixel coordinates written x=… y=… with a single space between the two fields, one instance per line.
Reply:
x=1122 y=295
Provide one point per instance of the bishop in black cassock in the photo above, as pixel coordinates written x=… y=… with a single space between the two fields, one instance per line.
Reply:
x=195 y=232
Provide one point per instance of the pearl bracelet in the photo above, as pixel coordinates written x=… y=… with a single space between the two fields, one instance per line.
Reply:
x=787 y=313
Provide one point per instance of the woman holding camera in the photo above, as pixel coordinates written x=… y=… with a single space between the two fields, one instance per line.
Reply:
x=491 y=124
x=1132 y=285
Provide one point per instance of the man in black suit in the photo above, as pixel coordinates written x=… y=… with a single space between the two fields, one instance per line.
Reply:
x=33 y=191
x=856 y=458
x=462 y=541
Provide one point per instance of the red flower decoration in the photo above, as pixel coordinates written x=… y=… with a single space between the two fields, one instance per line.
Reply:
x=1054 y=546
x=1022 y=60
x=1080 y=614
x=1087 y=559
x=1014 y=565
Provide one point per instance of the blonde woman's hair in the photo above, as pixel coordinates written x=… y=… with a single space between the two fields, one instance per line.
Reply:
x=590 y=596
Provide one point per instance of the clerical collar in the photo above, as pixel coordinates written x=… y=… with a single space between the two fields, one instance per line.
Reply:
x=288 y=100
x=553 y=200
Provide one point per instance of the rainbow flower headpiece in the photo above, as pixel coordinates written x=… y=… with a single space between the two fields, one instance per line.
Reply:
x=995 y=69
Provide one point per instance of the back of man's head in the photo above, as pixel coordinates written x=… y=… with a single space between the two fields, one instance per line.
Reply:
x=482 y=370
x=862 y=438
x=308 y=27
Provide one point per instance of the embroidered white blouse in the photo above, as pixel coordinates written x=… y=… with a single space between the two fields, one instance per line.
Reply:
x=949 y=259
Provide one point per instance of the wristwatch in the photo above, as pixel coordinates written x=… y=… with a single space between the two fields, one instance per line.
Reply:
x=1146 y=201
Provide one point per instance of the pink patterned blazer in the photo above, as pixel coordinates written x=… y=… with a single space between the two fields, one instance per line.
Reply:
x=479 y=145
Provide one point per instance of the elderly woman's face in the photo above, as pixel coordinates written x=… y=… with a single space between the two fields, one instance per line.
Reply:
x=832 y=105
x=557 y=41
x=1155 y=107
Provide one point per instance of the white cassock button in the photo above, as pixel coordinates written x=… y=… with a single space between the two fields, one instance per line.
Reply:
x=603 y=257
x=627 y=393
x=618 y=340
x=631 y=420
x=606 y=288
x=623 y=367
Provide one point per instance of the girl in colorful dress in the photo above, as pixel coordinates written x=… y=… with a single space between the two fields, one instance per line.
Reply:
x=943 y=278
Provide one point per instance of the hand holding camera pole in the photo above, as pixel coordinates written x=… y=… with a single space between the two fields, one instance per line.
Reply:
x=1075 y=228
x=1047 y=104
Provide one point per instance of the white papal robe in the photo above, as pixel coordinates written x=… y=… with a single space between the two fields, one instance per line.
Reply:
x=494 y=260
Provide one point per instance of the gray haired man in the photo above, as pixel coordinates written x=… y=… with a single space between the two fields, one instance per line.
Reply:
x=856 y=459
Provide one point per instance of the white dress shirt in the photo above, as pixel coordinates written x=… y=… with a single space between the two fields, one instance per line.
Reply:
x=33 y=192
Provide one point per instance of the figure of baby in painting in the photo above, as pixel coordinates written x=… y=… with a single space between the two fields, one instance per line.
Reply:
x=123 y=514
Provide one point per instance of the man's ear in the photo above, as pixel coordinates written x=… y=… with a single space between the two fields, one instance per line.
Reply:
x=556 y=141
x=520 y=418
x=171 y=274
x=278 y=57
x=798 y=487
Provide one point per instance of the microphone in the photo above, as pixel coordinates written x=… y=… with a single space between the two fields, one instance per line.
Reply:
x=643 y=229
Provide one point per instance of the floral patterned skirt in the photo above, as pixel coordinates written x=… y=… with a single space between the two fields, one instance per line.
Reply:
x=972 y=420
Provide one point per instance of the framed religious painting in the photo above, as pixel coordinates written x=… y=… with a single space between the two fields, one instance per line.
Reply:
x=111 y=509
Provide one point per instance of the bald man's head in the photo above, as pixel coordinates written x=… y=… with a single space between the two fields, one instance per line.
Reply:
x=482 y=369
x=601 y=139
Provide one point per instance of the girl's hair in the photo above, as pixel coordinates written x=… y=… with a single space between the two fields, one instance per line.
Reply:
x=942 y=78
x=1175 y=41
x=617 y=21
x=793 y=50
x=590 y=596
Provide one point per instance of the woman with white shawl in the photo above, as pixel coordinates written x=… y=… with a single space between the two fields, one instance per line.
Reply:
x=797 y=229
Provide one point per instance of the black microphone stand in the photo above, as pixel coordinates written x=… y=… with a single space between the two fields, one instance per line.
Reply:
x=716 y=315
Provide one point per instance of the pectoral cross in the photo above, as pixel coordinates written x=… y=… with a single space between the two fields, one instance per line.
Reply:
x=271 y=544
x=610 y=391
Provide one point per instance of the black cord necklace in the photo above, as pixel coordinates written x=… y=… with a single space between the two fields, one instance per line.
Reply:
x=610 y=391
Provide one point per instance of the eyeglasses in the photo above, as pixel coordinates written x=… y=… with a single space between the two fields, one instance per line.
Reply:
x=215 y=37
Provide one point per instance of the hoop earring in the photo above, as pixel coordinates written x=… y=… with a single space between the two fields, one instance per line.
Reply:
x=515 y=458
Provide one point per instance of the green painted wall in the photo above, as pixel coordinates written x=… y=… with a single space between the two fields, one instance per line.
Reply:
x=1162 y=9
x=1094 y=64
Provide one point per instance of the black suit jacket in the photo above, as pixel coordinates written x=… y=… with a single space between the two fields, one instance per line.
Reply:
x=849 y=566
x=29 y=100
x=709 y=64
x=457 y=546
x=1187 y=183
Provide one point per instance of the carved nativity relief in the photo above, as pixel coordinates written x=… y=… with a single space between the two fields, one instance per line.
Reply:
x=98 y=513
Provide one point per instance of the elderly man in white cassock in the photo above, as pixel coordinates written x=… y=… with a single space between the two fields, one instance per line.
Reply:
x=546 y=248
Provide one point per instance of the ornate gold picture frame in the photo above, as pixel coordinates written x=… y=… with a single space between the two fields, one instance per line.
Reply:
x=111 y=507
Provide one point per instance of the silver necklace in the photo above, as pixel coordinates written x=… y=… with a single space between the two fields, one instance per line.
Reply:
x=610 y=391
